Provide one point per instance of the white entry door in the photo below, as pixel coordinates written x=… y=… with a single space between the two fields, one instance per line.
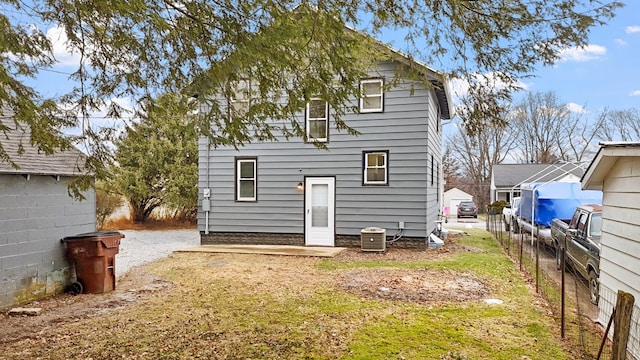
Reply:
x=319 y=221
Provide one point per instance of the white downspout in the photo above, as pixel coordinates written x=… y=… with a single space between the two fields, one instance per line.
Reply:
x=207 y=193
x=206 y=201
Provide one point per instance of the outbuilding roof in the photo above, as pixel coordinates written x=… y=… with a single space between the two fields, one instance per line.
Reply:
x=28 y=159
x=604 y=160
x=509 y=175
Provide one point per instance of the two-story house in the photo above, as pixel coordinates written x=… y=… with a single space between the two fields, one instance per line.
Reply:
x=292 y=193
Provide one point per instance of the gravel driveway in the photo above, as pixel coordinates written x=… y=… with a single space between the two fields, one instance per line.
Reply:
x=142 y=246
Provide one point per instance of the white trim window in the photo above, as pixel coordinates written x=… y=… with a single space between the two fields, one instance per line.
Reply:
x=240 y=101
x=246 y=179
x=317 y=120
x=372 y=95
x=375 y=168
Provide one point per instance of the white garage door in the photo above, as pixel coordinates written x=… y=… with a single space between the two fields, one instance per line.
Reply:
x=453 y=206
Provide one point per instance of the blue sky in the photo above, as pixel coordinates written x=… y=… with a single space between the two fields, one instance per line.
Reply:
x=604 y=74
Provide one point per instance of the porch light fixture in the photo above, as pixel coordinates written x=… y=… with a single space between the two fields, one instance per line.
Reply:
x=300 y=186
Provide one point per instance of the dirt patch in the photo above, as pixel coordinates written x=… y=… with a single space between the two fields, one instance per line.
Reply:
x=413 y=285
x=70 y=308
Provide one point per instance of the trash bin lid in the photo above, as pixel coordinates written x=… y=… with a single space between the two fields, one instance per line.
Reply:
x=96 y=234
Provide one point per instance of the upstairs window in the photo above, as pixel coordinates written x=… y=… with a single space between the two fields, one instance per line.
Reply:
x=246 y=179
x=317 y=120
x=372 y=96
x=375 y=168
x=240 y=101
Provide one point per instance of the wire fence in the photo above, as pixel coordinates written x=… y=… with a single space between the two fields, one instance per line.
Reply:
x=566 y=292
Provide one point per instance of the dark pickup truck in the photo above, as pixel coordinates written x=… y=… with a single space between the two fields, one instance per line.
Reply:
x=580 y=238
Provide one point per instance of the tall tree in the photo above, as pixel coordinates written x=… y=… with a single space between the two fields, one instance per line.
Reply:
x=538 y=120
x=478 y=150
x=157 y=160
x=578 y=142
x=548 y=131
x=139 y=48
x=620 y=125
x=450 y=169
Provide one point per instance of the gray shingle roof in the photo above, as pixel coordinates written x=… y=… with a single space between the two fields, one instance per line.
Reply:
x=509 y=175
x=32 y=161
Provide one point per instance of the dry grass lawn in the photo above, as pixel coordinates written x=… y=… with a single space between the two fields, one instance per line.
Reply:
x=399 y=305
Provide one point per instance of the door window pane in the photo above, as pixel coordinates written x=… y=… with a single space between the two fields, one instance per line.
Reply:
x=320 y=205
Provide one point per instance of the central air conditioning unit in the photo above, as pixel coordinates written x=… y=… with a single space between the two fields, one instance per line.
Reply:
x=373 y=239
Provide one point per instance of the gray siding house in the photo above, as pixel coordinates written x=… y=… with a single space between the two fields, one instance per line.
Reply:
x=616 y=171
x=36 y=212
x=290 y=192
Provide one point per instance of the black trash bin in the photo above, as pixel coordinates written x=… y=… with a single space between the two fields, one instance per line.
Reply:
x=94 y=256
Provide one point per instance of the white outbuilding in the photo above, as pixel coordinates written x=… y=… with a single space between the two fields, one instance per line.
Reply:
x=616 y=171
x=452 y=199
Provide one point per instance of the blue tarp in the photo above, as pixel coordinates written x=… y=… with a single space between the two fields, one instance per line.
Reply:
x=554 y=200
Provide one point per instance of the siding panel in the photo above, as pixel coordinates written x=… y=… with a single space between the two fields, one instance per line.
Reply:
x=620 y=256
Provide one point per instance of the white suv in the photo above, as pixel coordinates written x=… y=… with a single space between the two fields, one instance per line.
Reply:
x=509 y=212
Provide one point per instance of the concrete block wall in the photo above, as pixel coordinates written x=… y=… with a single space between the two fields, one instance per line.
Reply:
x=35 y=214
x=229 y=238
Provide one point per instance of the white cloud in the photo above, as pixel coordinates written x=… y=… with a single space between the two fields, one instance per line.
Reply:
x=576 y=108
x=125 y=106
x=460 y=87
x=585 y=53
x=620 y=42
x=632 y=29
x=635 y=93
x=63 y=55
x=68 y=56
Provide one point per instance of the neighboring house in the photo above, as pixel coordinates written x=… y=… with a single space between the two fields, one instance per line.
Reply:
x=36 y=212
x=507 y=178
x=290 y=192
x=616 y=171
x=452 y=199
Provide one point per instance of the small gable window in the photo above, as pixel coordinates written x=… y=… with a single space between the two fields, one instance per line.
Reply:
x=372 y=95
x=317 y=120
x=240 y=100
x=375 y=168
